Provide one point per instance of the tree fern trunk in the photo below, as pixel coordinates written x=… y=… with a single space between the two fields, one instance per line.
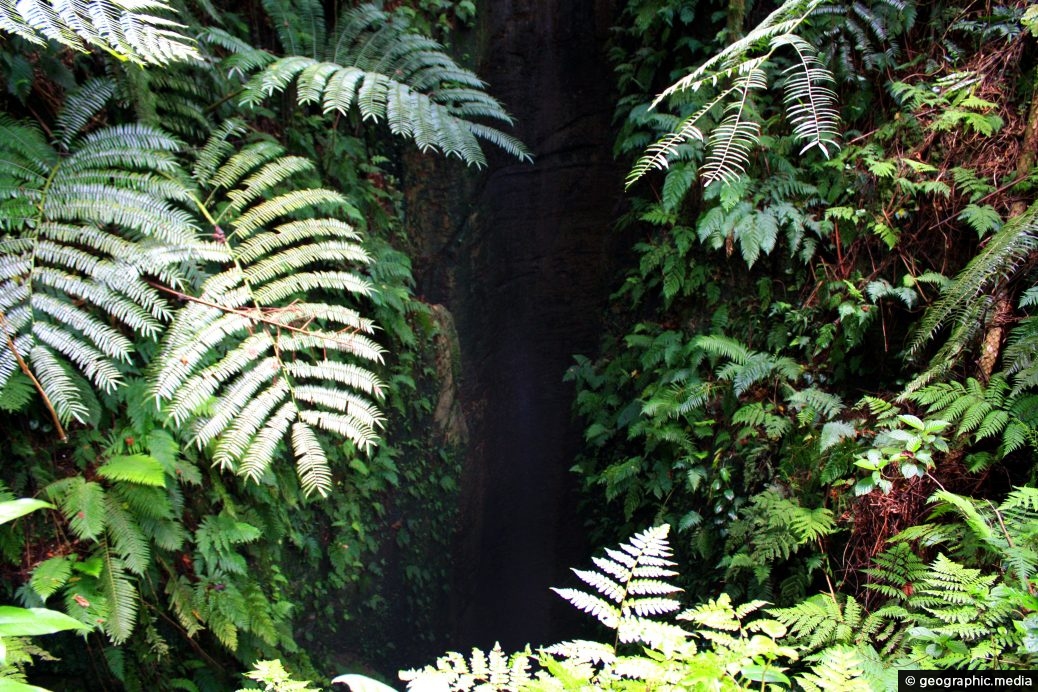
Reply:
x=1002 y=312
x=736 y=19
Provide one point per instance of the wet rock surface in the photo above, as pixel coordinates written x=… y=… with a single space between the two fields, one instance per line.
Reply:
x=524 y=257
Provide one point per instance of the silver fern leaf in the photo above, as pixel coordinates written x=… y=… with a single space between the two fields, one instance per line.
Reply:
x=141 y=31
x=87 y=230
x=374 y=63
x=737 y=71
x=261 y=356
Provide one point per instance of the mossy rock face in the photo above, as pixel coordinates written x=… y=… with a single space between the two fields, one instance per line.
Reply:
x=448 y=417
x=524 y=258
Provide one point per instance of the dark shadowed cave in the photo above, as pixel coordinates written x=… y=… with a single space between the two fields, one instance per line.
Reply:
x=523 y=256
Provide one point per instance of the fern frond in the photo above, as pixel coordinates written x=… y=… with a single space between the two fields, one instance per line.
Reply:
x=820 y=621
x=723 y=347
x=122 y=598
x=102 y=219
x=632 y=578
x=838 y=668
x=257 y=359
x=601 y=610
x=82 y=104
x=126 y=538
x=739 y=69
x=659 y=154
x=730 y=143
x=299 y=25
x=1000 y=258
x=83 y=504
x=390 y=74
x=810 y=103
x=139 y=31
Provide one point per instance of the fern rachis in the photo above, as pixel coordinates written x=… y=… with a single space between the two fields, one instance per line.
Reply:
x=256 y=359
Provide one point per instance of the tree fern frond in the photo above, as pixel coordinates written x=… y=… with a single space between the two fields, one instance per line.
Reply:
x=810 y=104
x=81 y=105
x=388 y=73
x=583 y=651
x=736 y=71
x=139 y=31
x=311 y=463
x=730 y=143
x=104 y=217
x=659 y=154
x=253 y=358
x=57 y=382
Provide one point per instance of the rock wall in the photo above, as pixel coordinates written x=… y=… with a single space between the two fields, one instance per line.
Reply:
x=524 y=257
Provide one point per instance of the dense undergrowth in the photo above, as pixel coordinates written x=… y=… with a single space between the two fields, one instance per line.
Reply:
x=813 y=343
x=820 y=369
x=213 y=363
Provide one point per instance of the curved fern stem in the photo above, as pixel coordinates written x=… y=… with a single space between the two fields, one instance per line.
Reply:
x=35 y=382
x=249 y=314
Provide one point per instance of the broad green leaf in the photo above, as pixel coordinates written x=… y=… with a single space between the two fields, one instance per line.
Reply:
x=8 y=685
x=27 y=622
x=12 y=509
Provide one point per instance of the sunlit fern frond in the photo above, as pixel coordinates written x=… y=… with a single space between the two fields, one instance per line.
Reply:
x=491 y=671
x=661 y=153
x=374 y=63
x=724 y=65
x=271 y=348
x=86 y=229
x=141 y=31
x=836 y=668
x=810 y=102
x=631 y=586
x=736 y=72
x=730 y=143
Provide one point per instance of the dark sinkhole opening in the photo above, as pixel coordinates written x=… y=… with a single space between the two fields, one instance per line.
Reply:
x=524 y=256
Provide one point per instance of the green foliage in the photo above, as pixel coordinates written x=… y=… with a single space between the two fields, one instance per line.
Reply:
x=19 y=623
x=963 y=303
x=741 y=70
x=142 y=32
x=721 y=647
x=770 y=531
x=259 y=361
x=982 y=412
x=375 y=62
x=907 y=444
